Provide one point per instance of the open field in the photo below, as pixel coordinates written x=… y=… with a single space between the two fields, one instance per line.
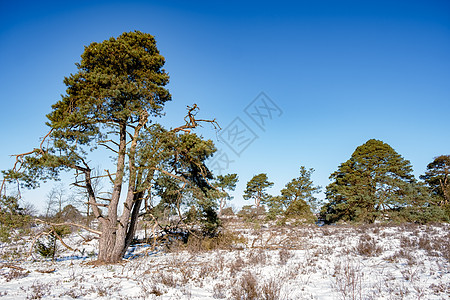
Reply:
x=251 y=262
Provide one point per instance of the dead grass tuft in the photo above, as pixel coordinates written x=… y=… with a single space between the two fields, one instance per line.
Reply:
x=367 y=246
x=246 y=288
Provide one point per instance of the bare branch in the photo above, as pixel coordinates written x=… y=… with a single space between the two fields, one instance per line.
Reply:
x=97 y=204
x=30 y=252
x=192 y=122
x=43 y=140
x=70 y=224
x=109 y=175
x=79 y=185
x=170 y=174
x=109 y=141
x=11 y=267
x=108 y=147
x=62 y=242
x=19 y=159
x=105 y=199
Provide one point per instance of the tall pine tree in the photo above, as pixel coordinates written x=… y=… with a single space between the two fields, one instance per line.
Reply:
x=110 y=101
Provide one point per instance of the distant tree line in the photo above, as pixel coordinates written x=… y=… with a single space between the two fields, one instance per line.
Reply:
x=375 y=185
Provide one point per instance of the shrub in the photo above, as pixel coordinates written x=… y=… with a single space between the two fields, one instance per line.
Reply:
x=48 y=247
x=284 y=256
x=367 y=246
x=421 y=215
x=270 y=290
x=12 y=216
x=251 y=214
x=219 y=291
x=204 y=215
x=246 y=289
x=224 y=240
x=228 y=211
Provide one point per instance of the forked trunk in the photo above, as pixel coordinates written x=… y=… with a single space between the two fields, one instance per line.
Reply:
x=115 y=240
x=112 y=245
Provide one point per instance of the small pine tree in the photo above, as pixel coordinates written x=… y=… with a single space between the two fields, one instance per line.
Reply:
x=224 y=183
x=299 y=198
x=256 y=189
x=48 y=246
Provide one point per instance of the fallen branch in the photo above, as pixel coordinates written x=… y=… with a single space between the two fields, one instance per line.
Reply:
x=52 y=230
x=11 y=267
x=46 y=271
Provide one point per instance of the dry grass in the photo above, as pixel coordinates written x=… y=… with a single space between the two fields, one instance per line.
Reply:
x=372 y=262
x=367 y=246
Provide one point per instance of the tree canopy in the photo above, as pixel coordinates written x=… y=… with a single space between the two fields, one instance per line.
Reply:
x=256 y=189
x=301 y=189
x=437 y=177
x=375 y=179
x=296 y=200
x=225 y=183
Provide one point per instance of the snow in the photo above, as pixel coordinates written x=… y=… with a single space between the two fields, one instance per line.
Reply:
x=306 y=262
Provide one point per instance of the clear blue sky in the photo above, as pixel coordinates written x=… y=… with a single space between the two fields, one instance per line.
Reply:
x=341 y=72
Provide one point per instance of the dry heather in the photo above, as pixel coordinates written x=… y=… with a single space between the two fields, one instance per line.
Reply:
x=262 y=262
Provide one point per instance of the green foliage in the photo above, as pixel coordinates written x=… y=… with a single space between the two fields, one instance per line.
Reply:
x=48 y=247
x=374 y=181
x=224 y=184
x=118 y=82
x=12 y=216
x=300 y=211
x=256 y=189
x=298 y=195
x=437 y=177
x=421 y=215
x=250 y=213
x=189 y=187
x=276 y=205
x=228 y=211
x=296 y=200
x=5 y=233
x=227 y=181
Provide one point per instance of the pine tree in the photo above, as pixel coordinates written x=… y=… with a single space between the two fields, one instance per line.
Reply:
x=374 y=180
x=225 y=183
x=256 y=189
x=110 y=101
x=437 y=177
x=12 y=216
x=298 y=196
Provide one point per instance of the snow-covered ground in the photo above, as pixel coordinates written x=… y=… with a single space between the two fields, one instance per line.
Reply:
x=266 y=262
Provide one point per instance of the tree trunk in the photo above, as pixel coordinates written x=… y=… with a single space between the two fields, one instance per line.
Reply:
x=133 y=223
x=118 y=235
x=112 y=230
x=106 y=244
x=112 y=244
